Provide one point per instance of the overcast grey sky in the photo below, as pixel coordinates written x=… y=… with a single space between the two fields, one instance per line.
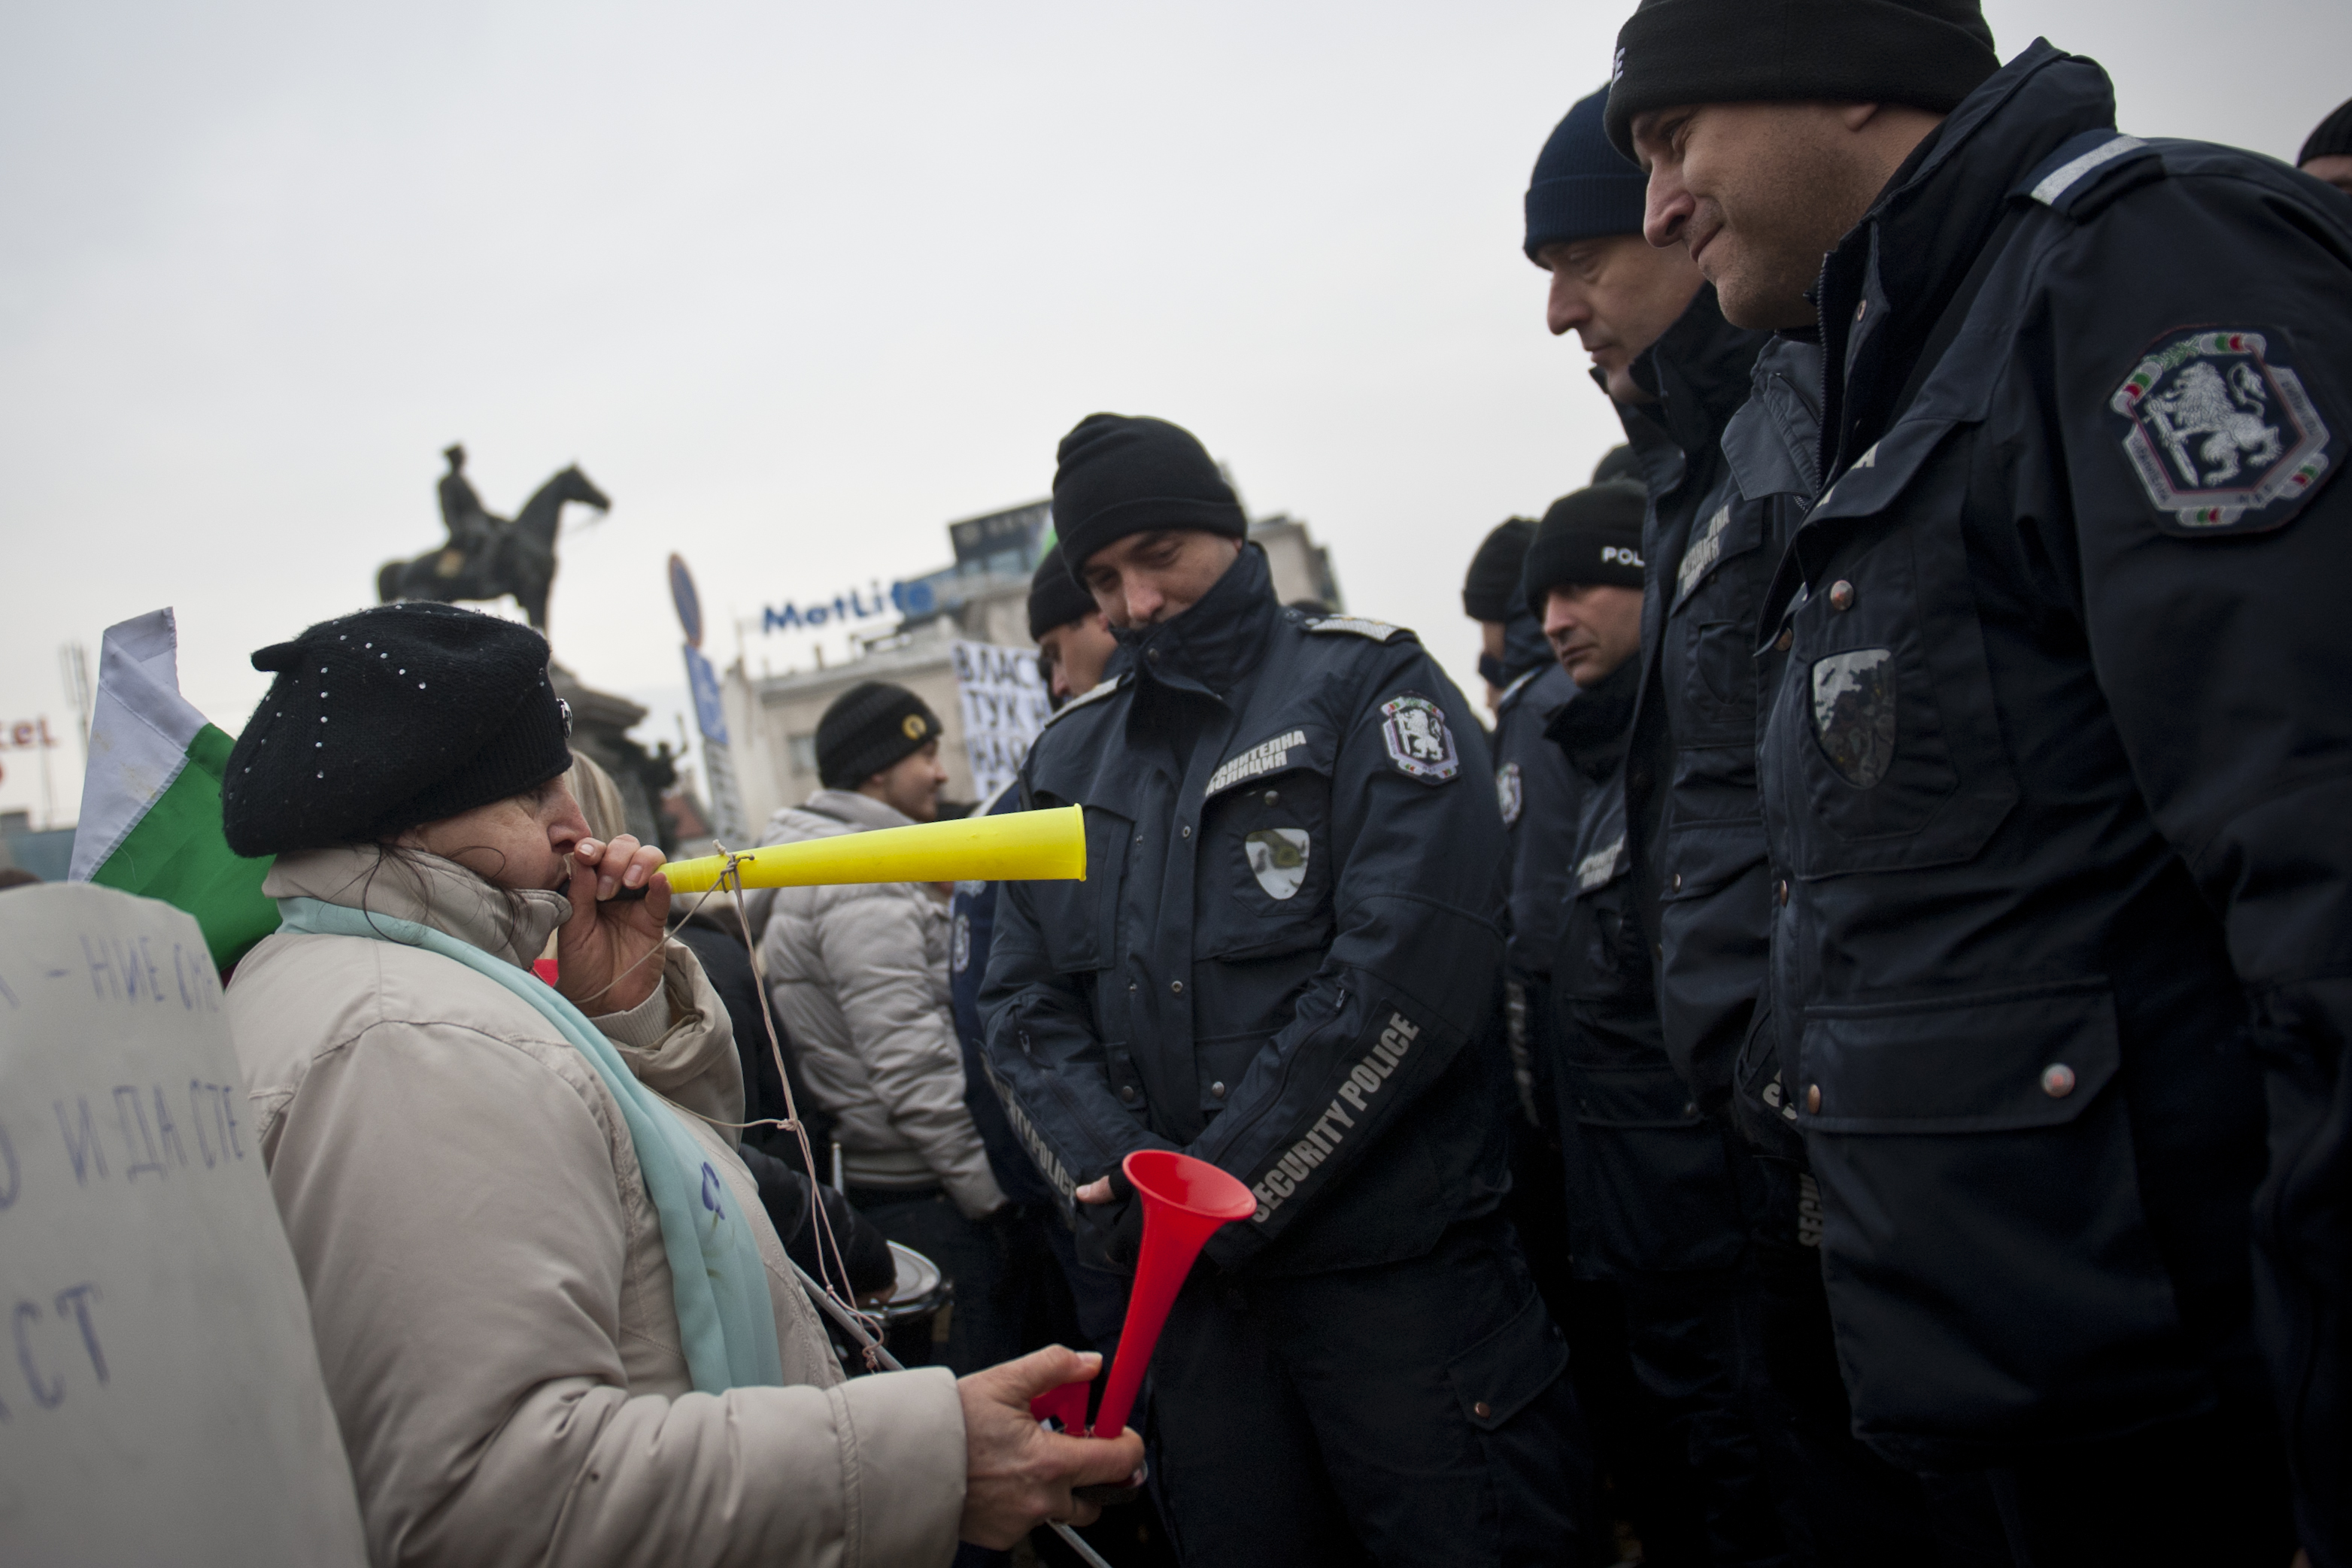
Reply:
x=797 y=284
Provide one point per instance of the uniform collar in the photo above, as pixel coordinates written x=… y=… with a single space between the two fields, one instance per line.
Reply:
x=1901 y=264
x=1698 y=370
x=1595 y=726
x=1524 y=649
x=1210 y=647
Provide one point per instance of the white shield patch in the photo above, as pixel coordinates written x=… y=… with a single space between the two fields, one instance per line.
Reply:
x=1509 y=793
x=960 y=944
x=2222 y=436
x=1278 y=858
x=1414 y=729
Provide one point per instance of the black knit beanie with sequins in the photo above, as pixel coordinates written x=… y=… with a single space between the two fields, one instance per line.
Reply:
x=396 y=716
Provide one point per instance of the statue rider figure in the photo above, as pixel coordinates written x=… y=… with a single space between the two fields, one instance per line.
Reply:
x=471 y=528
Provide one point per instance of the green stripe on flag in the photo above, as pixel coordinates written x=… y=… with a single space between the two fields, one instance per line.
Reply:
x=179 y=852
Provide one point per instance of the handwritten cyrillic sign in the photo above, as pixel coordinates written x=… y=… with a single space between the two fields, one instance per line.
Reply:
x=160 y=1398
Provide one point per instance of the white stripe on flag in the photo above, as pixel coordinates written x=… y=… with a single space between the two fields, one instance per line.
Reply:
x=140 y=731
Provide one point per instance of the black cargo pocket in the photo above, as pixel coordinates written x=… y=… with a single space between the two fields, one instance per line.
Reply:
x=1660 y=1195
x=1077 y=921
x=1500 y=1375
x=1883 y=723
x=1264 y=869
x=1990 y=1268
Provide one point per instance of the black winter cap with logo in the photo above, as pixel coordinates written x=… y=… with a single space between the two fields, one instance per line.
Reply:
x=870 y=728
x=1593 y=535
x=1929 y=54
x=396 y=716
x=1121 y=476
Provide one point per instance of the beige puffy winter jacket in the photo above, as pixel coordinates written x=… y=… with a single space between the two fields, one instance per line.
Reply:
x=486 y=1273
x=859 y=976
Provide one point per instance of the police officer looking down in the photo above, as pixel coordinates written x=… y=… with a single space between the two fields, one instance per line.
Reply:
x=1286 y=945
x=1694 y=831
x=2055 y=776
x=1074 y=644
x=1647 y=1174
x=1073 y=647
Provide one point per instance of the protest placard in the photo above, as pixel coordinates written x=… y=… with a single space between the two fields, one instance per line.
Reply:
x=160 y=1396
x=1004 y=705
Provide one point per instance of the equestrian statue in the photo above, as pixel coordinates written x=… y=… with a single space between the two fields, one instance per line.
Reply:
x=488 y=557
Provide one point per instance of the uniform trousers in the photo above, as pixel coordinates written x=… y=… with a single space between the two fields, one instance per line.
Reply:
x=1410 y=1413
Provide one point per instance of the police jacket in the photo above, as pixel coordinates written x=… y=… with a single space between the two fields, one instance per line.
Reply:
x=1647 y=1176
x=1288 y=932
x=2058 y=777
x=972 y=933
x=1539 y=802
x=1695 y=834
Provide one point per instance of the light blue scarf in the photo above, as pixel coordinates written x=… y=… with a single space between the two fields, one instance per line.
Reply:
x=725 y=1317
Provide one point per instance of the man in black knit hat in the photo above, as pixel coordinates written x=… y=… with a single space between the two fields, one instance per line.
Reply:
x=1283 y=961
x=859 y=976
x=1696 y=876
x=2327 y=152
x=2054 y=765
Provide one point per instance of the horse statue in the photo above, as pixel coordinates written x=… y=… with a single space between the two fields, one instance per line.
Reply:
x=488 y=557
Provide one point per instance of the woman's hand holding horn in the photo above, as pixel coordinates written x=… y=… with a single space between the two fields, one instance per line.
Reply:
x=607 y=955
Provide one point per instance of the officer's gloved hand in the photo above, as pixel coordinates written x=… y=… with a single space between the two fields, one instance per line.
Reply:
x=1110 y=1234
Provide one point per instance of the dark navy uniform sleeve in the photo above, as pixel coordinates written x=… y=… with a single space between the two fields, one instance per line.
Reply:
x=1410 y=975
x=2206 y=409
x=972 y=921
x=1039 y=1046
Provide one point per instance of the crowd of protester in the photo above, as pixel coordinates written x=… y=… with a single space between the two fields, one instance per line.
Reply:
x=1847 y=1069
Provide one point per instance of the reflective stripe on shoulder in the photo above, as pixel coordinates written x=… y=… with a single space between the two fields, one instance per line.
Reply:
x=2051 y=188
x=1378 y=631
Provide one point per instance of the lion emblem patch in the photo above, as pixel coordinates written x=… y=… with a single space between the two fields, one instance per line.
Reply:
x=2222 y=436
x=1419 y=744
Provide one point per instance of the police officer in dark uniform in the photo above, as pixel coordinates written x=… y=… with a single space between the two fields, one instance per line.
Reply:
x=1524 y=686
x=2054 y=773
x=1695 y=834
x=1285 y=948
x=1060 y=612
x=1648 y=1174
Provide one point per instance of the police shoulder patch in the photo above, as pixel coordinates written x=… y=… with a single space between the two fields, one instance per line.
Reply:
x=1357 y=625
x=1419 y=744
x=1510 y=792
x=2222 y=432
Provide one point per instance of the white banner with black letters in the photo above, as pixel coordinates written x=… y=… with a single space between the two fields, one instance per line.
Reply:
x=1004 y=705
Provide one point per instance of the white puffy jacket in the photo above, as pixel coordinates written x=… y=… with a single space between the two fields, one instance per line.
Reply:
x=859 y=976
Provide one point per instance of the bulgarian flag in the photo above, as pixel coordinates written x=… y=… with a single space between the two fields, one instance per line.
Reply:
x=151 y=800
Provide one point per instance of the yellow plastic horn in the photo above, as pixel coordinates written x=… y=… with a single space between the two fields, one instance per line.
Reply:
x=1019 y=846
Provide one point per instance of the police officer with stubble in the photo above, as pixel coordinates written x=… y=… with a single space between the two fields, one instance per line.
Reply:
x=2055 y=770
x=1284 y=954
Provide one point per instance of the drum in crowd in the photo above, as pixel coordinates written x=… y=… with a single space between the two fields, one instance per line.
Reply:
x=915 y=1316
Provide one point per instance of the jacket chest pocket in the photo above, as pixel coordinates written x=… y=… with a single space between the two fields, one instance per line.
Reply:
x=1079 y=921
x=1983 y=1233
x=1263 y=874
x=1709 y=647
x=1882 y=742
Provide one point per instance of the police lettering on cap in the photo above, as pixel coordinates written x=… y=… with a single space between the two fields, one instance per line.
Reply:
x=1593 y=535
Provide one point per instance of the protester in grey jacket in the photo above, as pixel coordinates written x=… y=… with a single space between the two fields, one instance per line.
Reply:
x=859 y=979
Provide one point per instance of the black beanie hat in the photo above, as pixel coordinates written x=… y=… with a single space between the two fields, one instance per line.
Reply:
x=1593 y=535
x=868 y=727
x=1491 y=590
x=1121 y=476
x=1055 y=597
x=379 y=721
x=1617 y=462
x=2332 y=140
x=1926 y=53
x=1582 y=187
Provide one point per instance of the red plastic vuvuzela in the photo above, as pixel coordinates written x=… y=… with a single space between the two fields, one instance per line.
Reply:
x=1184 y=1201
